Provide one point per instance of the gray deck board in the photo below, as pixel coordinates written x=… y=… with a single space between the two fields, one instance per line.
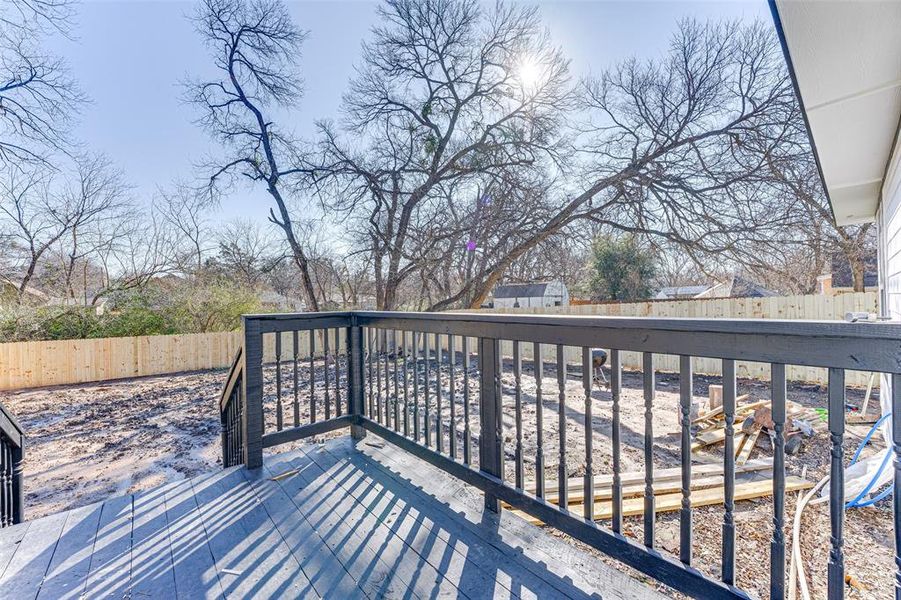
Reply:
x=322 y=521
x=193 y=566
x=71 y=561
x=28 y=565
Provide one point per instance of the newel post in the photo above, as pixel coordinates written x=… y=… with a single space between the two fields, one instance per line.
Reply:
x=355 y=377
x=252 y=419
x=491 y=454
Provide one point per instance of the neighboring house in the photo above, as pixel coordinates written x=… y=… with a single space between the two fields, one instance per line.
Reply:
x=9 y=293
x=734 y=287
x=680 y=292
x=273 y=301
x=845 y=60
x=531 y=295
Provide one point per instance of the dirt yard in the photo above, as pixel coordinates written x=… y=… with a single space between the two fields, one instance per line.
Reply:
x=88 y=442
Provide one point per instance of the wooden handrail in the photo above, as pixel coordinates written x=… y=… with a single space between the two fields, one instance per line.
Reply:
x=233 y=376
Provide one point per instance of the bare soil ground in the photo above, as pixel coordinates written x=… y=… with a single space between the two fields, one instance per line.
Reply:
x=88 y=442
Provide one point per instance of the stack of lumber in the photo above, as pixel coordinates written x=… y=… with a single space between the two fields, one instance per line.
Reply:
x=706 y=489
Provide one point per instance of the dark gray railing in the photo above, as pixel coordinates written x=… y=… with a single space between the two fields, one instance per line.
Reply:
x=396 y=375
x=231 y=411
x=12 y=452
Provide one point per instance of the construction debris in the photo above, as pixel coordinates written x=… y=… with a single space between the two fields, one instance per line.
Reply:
x=751 y=420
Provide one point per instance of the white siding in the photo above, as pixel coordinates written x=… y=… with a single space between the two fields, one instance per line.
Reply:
x=889 y=221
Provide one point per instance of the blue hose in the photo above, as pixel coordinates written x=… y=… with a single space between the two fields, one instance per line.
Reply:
x=857 y=502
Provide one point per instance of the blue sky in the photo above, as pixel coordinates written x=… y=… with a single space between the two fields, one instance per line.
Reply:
x=129 y=57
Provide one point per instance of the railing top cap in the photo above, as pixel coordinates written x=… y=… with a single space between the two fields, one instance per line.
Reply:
x=805 y=328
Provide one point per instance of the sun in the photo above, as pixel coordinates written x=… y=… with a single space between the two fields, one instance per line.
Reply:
x=529 y=73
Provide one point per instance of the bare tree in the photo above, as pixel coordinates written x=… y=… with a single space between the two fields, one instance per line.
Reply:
x=97 y=199
x=673 y=149
x=449 y=92
x=130 y=256
x=255 y=47
x=187 y=211
x=245 y=252
x=37 y=97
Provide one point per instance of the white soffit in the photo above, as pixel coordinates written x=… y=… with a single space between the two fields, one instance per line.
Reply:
x=846 y=57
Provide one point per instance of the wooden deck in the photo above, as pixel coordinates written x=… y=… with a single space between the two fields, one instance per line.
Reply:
x=331 y=521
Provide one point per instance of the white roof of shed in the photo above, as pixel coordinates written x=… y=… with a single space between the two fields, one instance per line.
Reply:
x=846 y=61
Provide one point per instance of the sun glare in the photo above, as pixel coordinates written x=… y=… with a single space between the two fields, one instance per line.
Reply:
x=529 y=73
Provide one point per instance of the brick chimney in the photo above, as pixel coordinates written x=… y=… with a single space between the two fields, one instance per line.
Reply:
x=824 y=285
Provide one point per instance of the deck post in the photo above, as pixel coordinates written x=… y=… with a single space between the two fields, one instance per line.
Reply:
x=355 y=377
x=252 y=419
x=491 y=455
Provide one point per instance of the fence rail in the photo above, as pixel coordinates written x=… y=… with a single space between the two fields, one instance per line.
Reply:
x=399 y=375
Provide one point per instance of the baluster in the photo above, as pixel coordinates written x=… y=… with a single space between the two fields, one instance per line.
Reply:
x=385 y=346
x=467 y=433
x=371 y=414
x=295 y=349
x=279 y=410
x=896 y=501
x=539 y=421
x=378 y=374
x=588 y=491
x=439 y=434
x=686 y=389
x=428 y=367
x=312 y=375
x=616 y=380
x=517 y=397
x=396 y=350
x=729 y=472
x=4 y=496
x=649 y=500
x=338 y=372
x=406 y=384
x=562 y=472
x=325 y=356
x=836 y=572
x=777 y=545
x=415 y=386
x=452 y=363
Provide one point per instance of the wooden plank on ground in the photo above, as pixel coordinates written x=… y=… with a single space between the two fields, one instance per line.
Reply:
x=602 y=480
x=702 y=476
x=747 y=446
x=672 y=502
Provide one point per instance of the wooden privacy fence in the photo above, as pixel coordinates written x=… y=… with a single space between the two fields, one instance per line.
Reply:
x=59 y=362
x=820 y=308
x=38 y=364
